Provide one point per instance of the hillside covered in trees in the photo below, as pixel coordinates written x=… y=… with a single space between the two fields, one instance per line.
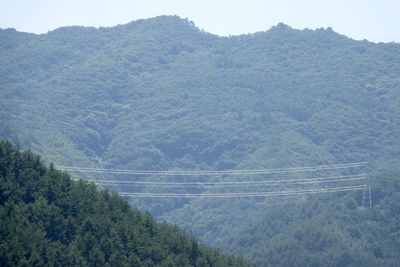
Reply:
x=329 y=230
x=161 y=94
x=47 y=219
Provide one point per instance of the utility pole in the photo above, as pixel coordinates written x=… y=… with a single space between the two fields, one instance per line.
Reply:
x=369 y=189
x=363 y=197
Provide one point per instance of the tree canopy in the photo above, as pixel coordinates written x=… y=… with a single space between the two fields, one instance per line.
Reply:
x=160 y=94
x=47 y=219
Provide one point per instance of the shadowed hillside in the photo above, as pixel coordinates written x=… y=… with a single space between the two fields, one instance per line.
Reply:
x=46 y=219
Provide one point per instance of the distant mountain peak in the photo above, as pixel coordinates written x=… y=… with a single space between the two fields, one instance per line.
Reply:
x=281 y=26
x=166 y=20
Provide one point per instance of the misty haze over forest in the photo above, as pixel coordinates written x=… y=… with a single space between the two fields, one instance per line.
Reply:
x=280 y=147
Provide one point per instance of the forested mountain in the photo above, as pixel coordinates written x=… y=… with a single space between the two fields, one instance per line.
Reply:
x=46 y=219
x=160 y=94
x=332 y=230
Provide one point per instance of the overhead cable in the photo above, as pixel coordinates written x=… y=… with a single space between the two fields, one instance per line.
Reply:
x=213 y=173
x=249 y=194
x=342 y=178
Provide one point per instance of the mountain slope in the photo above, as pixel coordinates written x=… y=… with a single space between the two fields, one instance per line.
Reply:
x=160 y=94
x=157 y=83
x=327 y=231
x=48 y=219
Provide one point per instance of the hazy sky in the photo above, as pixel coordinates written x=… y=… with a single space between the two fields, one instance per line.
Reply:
x=374 y=20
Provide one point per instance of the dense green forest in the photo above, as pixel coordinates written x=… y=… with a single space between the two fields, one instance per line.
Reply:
x=161 y=94
x=47 y=219
x=327 y=231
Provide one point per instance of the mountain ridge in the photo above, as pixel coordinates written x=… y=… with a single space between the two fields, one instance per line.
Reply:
x=161 y=94
x=168 y=18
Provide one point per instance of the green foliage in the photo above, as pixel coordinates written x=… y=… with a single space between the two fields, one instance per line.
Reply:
x=48 y=219
x=327 y=231
x=162 y=94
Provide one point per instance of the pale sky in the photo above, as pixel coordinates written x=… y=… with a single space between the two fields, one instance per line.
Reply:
x=374 y=20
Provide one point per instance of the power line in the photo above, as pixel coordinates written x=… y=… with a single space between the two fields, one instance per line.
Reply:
x=250 y=194
x=234 y=183
x=213 y=173
x=345 y=165
x=342 y=178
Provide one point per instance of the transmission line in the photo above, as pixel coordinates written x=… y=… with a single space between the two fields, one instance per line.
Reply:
x=249 y=194
x=213 y=173
x=342 y=178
